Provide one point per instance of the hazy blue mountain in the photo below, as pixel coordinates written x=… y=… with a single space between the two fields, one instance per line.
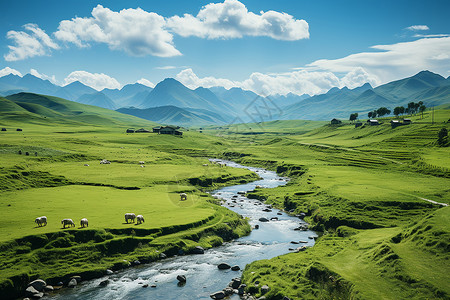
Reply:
x=98 y=99
x=282 y=101
x=129 y=95
x=425 y=86
x=172 y=92
x=236 y=97
x=170 y=114
x=401 y=89
x=433 y=96
x=73 y=91
x=12 y=83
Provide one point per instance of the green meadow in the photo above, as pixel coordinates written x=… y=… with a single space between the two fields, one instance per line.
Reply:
x=363 y=190
x=61 y=177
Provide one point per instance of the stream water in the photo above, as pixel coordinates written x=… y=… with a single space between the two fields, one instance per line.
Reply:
x=273 y=238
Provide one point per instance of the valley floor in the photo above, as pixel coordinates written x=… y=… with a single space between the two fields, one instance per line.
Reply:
x=361 y=188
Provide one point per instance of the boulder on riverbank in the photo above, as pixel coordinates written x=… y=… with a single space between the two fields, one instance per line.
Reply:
x=198 y=250
x=263 y=220
x=38 y=284
x=218 y=295
x=72 y=283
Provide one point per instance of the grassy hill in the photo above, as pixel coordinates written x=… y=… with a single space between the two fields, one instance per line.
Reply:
x=47 y=109
x=65 y=179
x=365 y=189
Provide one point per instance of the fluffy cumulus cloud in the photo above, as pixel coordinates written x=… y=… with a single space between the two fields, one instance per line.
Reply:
x=297 y=82
x=134 y=31
x=8 y=70
x=146 y=82
x=357 y=77
x=390 y=62
x=141 y=33
x=97 y=81
x=52 y=78
x=231 y=19
x=32 y=42
x=418 y=27
x=191 y=80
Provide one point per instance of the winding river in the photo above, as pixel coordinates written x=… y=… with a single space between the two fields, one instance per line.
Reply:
x=203 y=277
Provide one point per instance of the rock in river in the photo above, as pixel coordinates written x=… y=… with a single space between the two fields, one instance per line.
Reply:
x=263 y=220
x=224 y=266
x=181 y=278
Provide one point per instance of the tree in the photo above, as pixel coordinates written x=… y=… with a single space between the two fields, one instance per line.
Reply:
x=369 y=114
x=353 y=117
x=383 y=111
x=443 y=136
x=374 y=114
x=402 y=110
x=397 y=110
x=422 y=108
x=411 y=106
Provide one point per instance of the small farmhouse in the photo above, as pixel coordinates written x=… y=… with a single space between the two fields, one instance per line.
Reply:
x=395 y=123
x=170 y=130
x=142 y=130
x=335 y=122
x=407 y=121
x=157 y=129
x=130 y=130
x=3 y=129
x=373 y=122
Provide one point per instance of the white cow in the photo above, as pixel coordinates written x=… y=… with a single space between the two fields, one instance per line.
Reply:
x=183 y=196
x=41 y=221
x=68 y=222
x=84 y=222
x=130 y=216
x=140 y=219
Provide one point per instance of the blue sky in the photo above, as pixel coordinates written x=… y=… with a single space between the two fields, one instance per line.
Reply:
x=265 y=46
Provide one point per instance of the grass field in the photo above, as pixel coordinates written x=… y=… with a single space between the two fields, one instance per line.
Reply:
x=63 y=178
x=362 y=188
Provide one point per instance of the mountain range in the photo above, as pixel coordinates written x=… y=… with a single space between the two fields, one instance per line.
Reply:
x=170 y=102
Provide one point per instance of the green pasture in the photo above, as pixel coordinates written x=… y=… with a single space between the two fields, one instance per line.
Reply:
x=361 y=188
x=104 y=207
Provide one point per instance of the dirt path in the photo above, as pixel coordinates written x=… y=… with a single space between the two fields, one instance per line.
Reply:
x=434 y=202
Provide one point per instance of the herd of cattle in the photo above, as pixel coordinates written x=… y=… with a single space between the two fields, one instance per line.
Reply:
x=42 y=221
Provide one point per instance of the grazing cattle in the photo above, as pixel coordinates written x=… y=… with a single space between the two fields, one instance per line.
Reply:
x=67 y=222
x=140 y=219
x=130 y=216
x=84 y=222
x=41 y=221
x=183 y=196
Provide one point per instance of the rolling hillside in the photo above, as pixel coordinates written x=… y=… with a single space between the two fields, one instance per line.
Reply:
x=28 y=107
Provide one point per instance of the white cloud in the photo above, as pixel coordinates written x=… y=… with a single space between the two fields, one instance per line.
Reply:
x=8 y=70
x=35 y=43
x=231 y=19
x=97 y=81
x=297 y=82
x=166 y=68
x=418 y=27
x=357 y=77
x=146 y=82
x=52 y=78
x=191 y=80
x=391 y=62
x=134 y=31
